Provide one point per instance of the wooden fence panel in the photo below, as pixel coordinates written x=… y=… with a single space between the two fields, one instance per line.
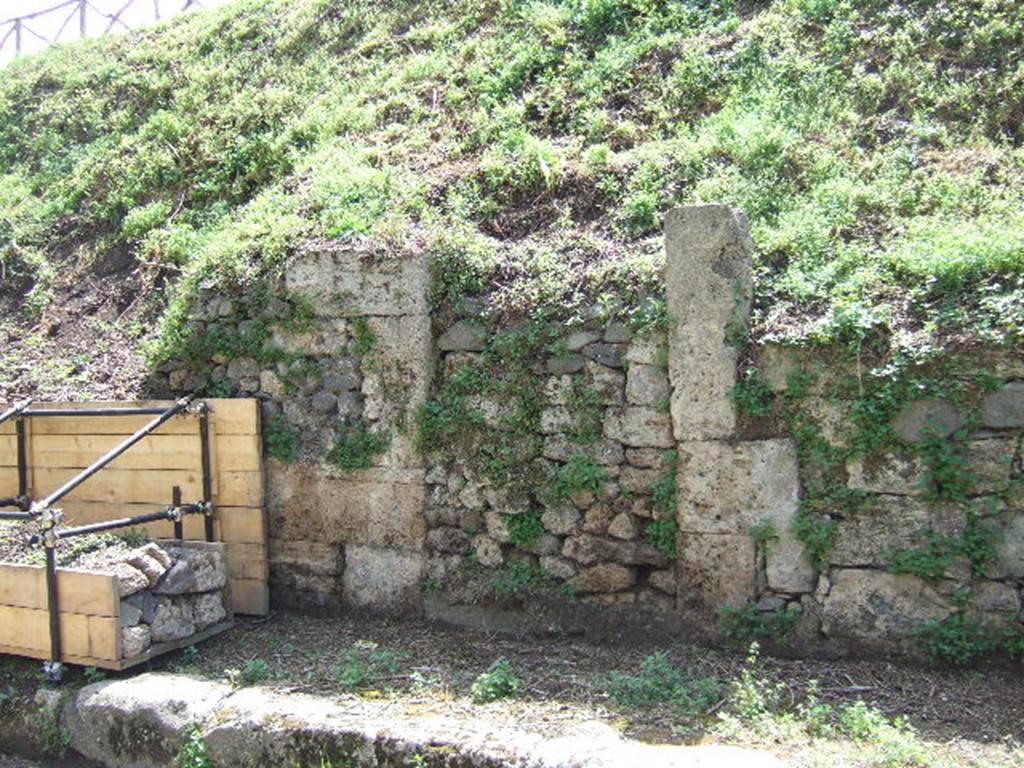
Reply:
x=141 y=480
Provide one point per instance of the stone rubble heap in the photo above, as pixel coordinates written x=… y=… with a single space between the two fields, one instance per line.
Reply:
x=169 y=593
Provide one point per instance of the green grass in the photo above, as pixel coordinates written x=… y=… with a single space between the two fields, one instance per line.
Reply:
x=876 y=147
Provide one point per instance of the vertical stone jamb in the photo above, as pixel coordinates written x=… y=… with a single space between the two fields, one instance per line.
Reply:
x=709 y=289
x=709 y=280
x=726 y=486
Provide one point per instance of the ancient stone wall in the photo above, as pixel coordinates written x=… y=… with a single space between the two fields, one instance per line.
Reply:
x=590 y=511
x=665 y=465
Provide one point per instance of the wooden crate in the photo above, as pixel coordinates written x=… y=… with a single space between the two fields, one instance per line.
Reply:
x=140 y=480
x=90 y=618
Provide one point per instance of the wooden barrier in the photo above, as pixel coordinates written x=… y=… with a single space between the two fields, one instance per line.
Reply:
x=140 y=480
x=90 y=618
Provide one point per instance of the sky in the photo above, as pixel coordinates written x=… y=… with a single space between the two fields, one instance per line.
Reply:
x=48 y=25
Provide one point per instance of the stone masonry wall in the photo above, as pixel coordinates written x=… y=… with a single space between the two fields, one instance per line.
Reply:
x=669 y=468
x=585 y=517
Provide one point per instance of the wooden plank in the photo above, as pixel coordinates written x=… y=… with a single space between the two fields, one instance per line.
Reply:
x=237 y=453
x=183 y=424
x=241 y=524
x=232 y=452
x=8 y=481
x=239 y=489
x=231 y=524
x=250 y=597
x=232 y=417
x=83 y=592
x=121 y=485
x=83 y=661
x=151 y=486
x=80 y=635
x=157 y=649
x=247 y=561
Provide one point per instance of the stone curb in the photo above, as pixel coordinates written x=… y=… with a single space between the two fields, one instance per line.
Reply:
x=141 y=722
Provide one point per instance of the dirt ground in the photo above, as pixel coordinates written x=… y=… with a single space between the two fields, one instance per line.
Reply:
x=968 y=717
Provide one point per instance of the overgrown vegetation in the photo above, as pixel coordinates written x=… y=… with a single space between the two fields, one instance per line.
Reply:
x=282 y=440
x=54 y=739
x=875 y=147
x=356 y=445
x=662 y=535
x=760 y=708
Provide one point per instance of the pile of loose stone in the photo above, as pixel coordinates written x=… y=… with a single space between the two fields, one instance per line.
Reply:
x=168 y=593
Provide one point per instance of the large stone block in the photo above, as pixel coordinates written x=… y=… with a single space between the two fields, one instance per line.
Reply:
x=562 y=448
x=345 y=281
x=588 y=550
x=1010 y=547
x=374 y=507
x=639 y=427
x=876 y=606
x=715 y=570
x=329 y=336
x=891 y=473
x=647 y=385
x=607 y=577
x=305 y=572
x=1004 y=409
x=892 y=522
x=396 y=382
x=464 y=336
x=648 y=350
x=989 y=461
x=139 y=722
x=709 y=287
x=786 y=567
x=727 y=488
x=993 y=601
x=382 y=579
x=923 y=419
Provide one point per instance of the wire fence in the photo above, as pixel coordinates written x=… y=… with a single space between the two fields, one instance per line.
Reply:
x=75 y=19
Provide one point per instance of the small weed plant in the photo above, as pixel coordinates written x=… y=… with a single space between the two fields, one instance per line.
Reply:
x=356 y=446
x=581 y=474
x=366 y=664
x=525 y=528
x=659 y=684
x=254 y=671
x=194 y=752
x=662 y=534
x=498 y=682
x=746 y=623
